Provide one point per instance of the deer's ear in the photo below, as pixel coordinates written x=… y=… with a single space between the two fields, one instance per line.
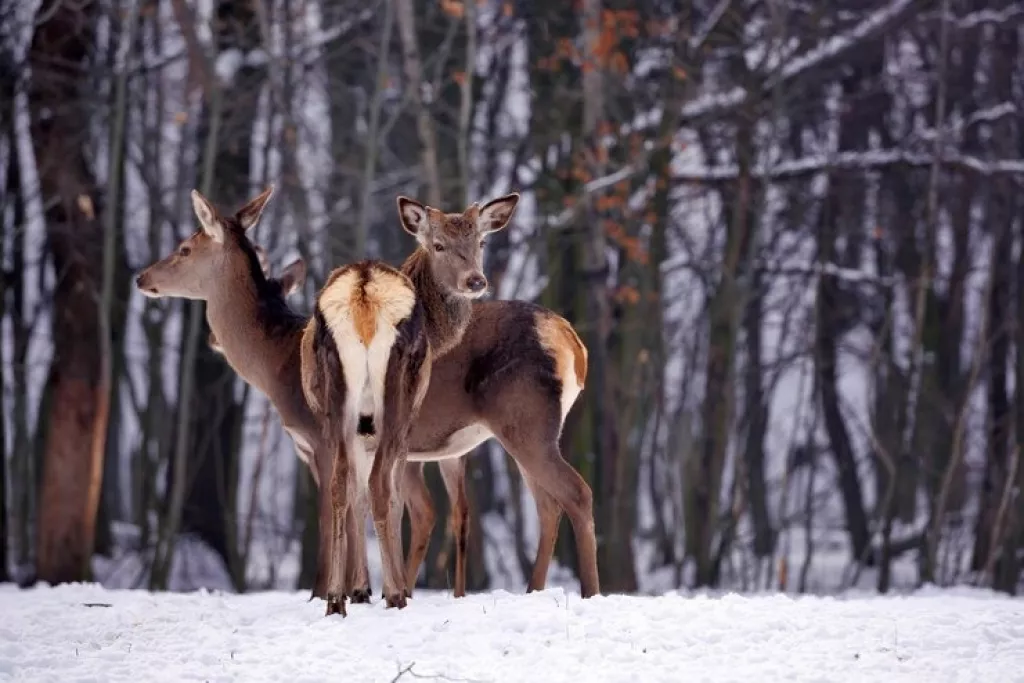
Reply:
x=249 y=215
x=264 y=260
x=413 y=216
x=495 y=214
x=207 y=216
x=293 y=277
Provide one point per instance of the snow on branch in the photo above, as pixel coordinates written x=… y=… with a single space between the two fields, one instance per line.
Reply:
x=864 y=161
x=594 y=186
x=816 y=61
x=992 y=113
x=849 y=275
x=775 y=269
x=714 y=105
x=981 y=17
x=835 y=48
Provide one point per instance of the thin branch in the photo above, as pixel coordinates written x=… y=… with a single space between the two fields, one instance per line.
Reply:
x=855 y=161
x=799 y=69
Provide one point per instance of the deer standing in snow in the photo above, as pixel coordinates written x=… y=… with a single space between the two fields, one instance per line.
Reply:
x=365 y=368
x=261 y=339
x=504 y=369
x=514 y=373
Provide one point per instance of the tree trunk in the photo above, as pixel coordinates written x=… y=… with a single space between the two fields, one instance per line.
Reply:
x=757 y=424
x=998 y=415
x=75 y=441
x=413 y=69
x=827 y=331
x=995 y=549
x=11 y=194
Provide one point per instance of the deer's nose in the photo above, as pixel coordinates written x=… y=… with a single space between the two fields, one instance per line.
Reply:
x=476 y=283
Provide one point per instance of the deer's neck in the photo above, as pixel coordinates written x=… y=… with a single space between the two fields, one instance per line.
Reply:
x=256 y=345
x=447 y=313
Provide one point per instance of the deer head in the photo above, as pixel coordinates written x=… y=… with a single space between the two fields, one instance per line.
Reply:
x=454 y=242
x=195 y=269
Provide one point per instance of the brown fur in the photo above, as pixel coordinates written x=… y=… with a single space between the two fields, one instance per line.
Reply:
x=447 y=314
x=291 y=279
x=503 y=371
x=262 y=339
x=504 y=377
x=565 y=346
x=499 y=375
x=366 y=335
x=364 y=316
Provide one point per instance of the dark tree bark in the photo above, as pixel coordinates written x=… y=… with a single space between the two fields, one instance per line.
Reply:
x=826 y=339
x=757 y=423
x=998 y=417
x=79 y=398
x=995 y=548
x=11 y=194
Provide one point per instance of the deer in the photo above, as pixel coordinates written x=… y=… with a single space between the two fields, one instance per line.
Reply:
x=508 y=352
x=510 y=370
x=365 y=368
x=260 y=337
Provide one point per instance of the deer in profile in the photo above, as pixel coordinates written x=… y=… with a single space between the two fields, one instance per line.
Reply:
x=504 y=369
x=260 y=336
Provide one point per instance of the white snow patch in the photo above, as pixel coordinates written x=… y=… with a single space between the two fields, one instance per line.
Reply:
x=80 y=632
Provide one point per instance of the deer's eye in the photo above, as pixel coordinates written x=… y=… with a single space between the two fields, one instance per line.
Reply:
x=184 y=251
x=438 y=246
x=483 y=241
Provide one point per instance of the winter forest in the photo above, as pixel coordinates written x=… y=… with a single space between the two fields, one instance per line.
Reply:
x=790 y=234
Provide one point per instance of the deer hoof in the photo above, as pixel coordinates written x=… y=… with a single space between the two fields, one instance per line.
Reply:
x=361 y=596
x=336 y=605
x=395 y=601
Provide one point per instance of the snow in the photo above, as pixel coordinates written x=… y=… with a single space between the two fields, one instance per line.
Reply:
x=84 y=632
x=846 y=40
x=804 y=64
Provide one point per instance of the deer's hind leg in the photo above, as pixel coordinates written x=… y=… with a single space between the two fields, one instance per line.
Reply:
x=339 y=484
x=530 y=435
x=421 y=520
x=356 y=562
x=322 y=468
x=549 y=514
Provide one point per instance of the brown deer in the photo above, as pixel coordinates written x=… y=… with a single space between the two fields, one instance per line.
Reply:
x=260 y=337
x=507 y=369
x=510 y=353
x=365 y=368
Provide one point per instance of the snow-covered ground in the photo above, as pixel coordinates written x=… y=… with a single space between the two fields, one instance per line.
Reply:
x=86 y=632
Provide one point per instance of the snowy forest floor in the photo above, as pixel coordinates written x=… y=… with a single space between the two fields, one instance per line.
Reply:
x=86 y=632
